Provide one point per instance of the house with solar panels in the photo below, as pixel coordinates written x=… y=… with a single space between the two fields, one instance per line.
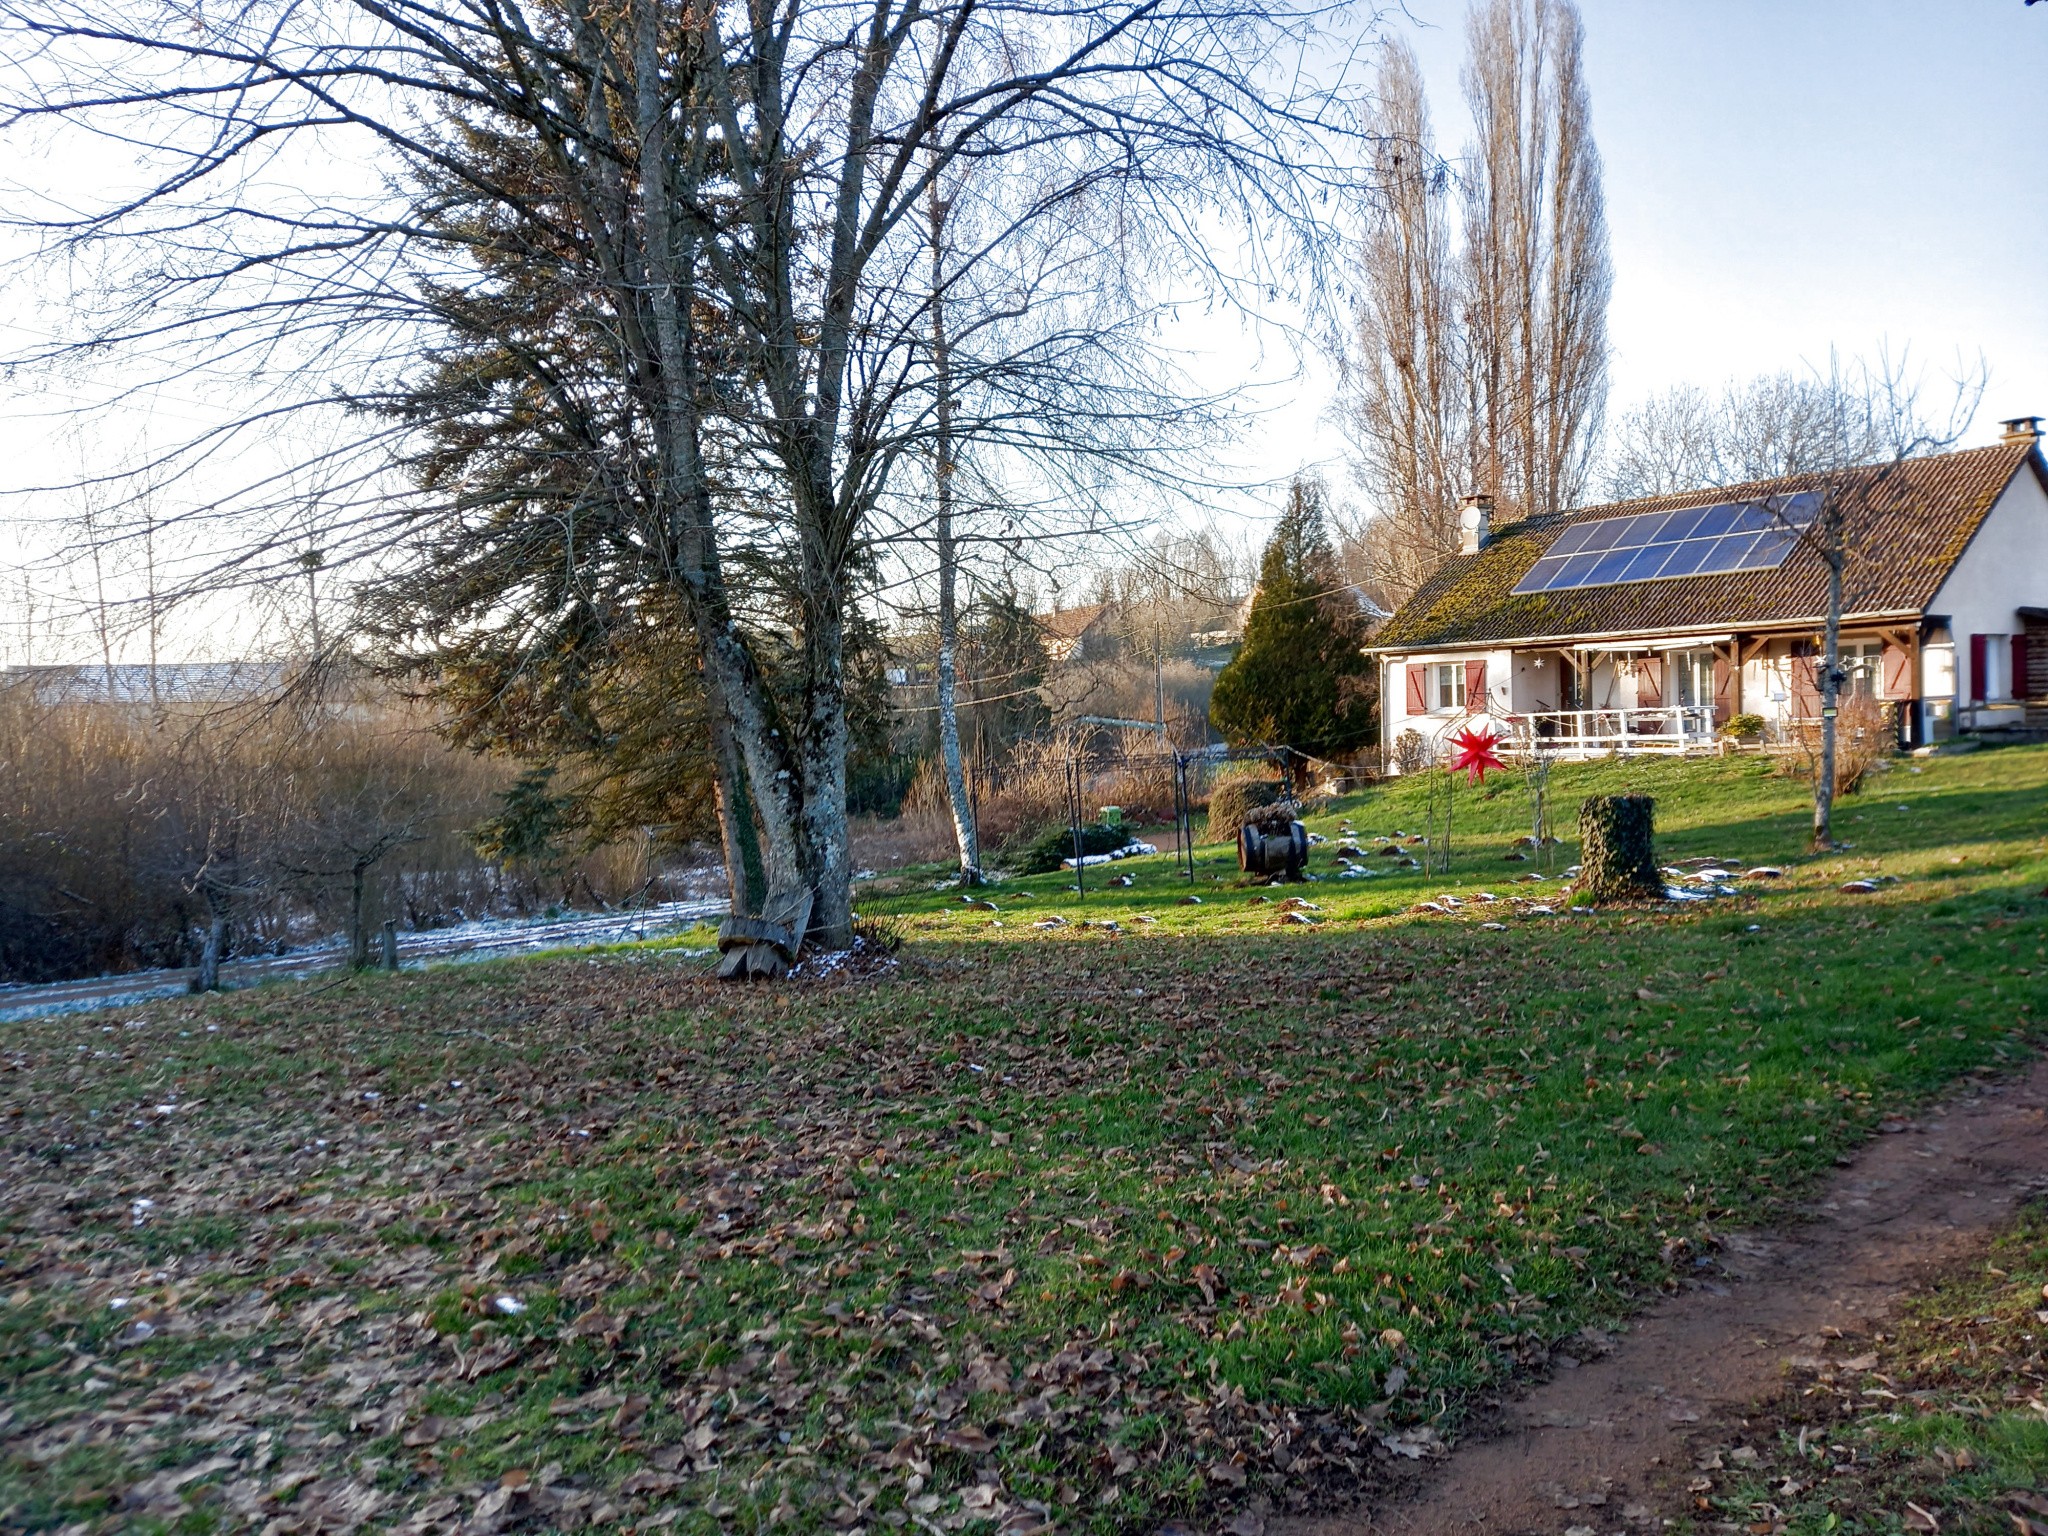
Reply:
x=1647 y=626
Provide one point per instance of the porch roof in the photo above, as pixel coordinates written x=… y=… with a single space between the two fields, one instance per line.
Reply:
x=1909 y=528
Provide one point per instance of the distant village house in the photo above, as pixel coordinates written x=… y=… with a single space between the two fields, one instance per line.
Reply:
x=1080 y=634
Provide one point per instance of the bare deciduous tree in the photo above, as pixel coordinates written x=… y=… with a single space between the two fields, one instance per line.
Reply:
x=1536 y=262
x=1828 y=417
x=1405 y=380
x=966 y=837
x=716 y=209
x=1480 y=366
x=1850 y=431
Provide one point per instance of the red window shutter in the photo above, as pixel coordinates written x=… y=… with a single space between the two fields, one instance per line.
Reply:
x=1805 y=688
x=1895 y=673
x=1724 y=690
x=2019 y=688
x=1418 y=690
x=1475 y=685
x=1980 y=658
x=1650 y=682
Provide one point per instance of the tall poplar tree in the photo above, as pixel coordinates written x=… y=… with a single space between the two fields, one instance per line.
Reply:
x=1479 y=362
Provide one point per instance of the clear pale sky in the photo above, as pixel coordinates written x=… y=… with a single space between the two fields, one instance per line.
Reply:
x=1783 y=176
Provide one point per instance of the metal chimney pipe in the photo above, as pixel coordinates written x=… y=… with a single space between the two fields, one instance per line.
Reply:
x=1475 y=523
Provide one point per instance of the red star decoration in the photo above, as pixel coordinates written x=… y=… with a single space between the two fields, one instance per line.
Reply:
x=1475 y=752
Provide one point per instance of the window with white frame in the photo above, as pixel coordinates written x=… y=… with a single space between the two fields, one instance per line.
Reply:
x=1450 y=685
x=1863 y=668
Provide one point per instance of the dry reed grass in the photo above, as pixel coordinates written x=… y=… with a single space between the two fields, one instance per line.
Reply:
x=1017 y=799
x=1866 y=734
x=126 y=828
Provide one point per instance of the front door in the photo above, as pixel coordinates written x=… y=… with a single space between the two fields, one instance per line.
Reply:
x=1694 y=671
x=1572 y=682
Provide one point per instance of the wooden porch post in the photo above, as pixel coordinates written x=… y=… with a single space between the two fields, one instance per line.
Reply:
x=1907 y=724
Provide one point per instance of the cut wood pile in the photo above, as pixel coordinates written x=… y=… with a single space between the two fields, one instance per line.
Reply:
x=765 y=947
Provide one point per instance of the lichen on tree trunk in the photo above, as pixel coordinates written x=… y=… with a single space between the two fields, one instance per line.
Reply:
x=1616 y=859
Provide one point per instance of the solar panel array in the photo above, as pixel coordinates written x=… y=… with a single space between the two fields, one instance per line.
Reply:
x=1652 y=546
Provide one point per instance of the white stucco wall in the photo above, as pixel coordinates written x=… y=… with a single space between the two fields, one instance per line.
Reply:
x=1538 y=682
x=1434 y=722
x=2004 y=569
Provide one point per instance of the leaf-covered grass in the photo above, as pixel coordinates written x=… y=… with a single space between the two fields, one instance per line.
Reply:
x=1942 y=1424
x=1077 y=1227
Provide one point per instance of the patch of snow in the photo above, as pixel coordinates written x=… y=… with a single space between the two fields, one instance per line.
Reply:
x=1128 y=851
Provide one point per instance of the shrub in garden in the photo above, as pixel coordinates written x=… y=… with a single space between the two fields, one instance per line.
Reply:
x=1411 y=752
x=1043 y=854
x=1866 y=733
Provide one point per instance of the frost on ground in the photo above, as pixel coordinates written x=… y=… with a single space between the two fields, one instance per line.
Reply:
x=477 y=939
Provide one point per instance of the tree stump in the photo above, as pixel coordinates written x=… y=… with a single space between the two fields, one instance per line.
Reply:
x=1616 y=860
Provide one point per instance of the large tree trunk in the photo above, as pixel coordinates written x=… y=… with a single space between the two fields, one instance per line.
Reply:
x=358 y=936
x=757 y=768
x=746 y=878
x=825 y=498
x=825 y=859
x=771 y=781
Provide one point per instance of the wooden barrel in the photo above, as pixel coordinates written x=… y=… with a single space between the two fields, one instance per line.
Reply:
x=1273 y=852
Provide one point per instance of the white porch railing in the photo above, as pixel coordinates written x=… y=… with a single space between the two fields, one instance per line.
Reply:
x=1671 y=728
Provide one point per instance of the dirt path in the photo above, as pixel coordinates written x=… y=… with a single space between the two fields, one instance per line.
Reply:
x=1603 y=1446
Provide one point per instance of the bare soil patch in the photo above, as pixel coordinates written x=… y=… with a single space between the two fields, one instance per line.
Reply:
x=1607 y=1443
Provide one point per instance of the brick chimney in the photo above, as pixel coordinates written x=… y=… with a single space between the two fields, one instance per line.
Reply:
x=2021 y=429
x=1475 y=523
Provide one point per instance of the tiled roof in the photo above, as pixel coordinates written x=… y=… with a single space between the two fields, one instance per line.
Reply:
x=1071 y=623
x=1909 y=527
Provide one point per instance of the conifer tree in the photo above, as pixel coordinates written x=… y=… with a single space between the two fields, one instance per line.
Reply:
x=1301 y=680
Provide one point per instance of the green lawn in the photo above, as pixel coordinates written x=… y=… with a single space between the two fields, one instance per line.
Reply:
x=1076 y=1227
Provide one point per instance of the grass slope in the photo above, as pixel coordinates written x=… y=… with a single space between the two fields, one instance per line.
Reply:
x=1075 y=1228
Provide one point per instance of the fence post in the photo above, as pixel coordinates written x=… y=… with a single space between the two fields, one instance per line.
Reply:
x=390 y=944
x=1183 y=816
x=1074 y=824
